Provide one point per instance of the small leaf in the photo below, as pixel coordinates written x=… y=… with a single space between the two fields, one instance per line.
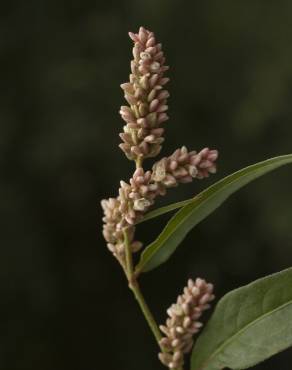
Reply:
x=199 y=208
x=249 y=325
x=161 y=211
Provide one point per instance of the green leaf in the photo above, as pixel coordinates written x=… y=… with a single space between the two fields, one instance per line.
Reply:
x=199 y=208
x=249 y=325
x=161 y=211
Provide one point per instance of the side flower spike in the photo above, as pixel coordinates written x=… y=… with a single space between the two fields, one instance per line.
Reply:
x=182 y=166
x=183 y=322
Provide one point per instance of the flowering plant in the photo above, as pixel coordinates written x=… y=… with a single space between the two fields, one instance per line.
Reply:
x=235 y=336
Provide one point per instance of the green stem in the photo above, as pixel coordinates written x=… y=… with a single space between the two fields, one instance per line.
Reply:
x=133 y=285
x=139 y=162
x=146 y=312
x=129 y=260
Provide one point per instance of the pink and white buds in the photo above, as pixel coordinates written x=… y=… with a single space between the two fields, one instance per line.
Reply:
x=183 y=322
x=142 y=137
x=144 y=97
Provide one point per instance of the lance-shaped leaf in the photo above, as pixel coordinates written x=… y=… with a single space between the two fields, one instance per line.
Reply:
x=249 y=325
x=199 y=208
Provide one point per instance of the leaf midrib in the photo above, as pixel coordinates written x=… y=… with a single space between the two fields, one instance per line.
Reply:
x=224 y=344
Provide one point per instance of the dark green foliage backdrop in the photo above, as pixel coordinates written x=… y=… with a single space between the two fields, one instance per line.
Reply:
x=64 y=301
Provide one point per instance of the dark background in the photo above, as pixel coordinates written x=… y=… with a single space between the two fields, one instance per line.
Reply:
x=64 y=301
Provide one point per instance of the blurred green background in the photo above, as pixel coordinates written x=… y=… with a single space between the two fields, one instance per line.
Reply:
x=64 y=301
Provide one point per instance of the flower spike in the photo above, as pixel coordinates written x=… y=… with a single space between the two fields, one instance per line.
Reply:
x=183 y=322
x=142 y=138
x=147 y=99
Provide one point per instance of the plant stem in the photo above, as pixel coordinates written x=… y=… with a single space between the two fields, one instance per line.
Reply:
x=134 y=286
x=146 y=312
x=129 y=260
x=139 y=162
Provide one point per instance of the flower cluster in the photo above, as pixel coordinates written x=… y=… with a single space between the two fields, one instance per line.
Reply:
x=114 y=223
x=142 y=136
x=182 y=166
x=183 y=322
x=139 y=194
